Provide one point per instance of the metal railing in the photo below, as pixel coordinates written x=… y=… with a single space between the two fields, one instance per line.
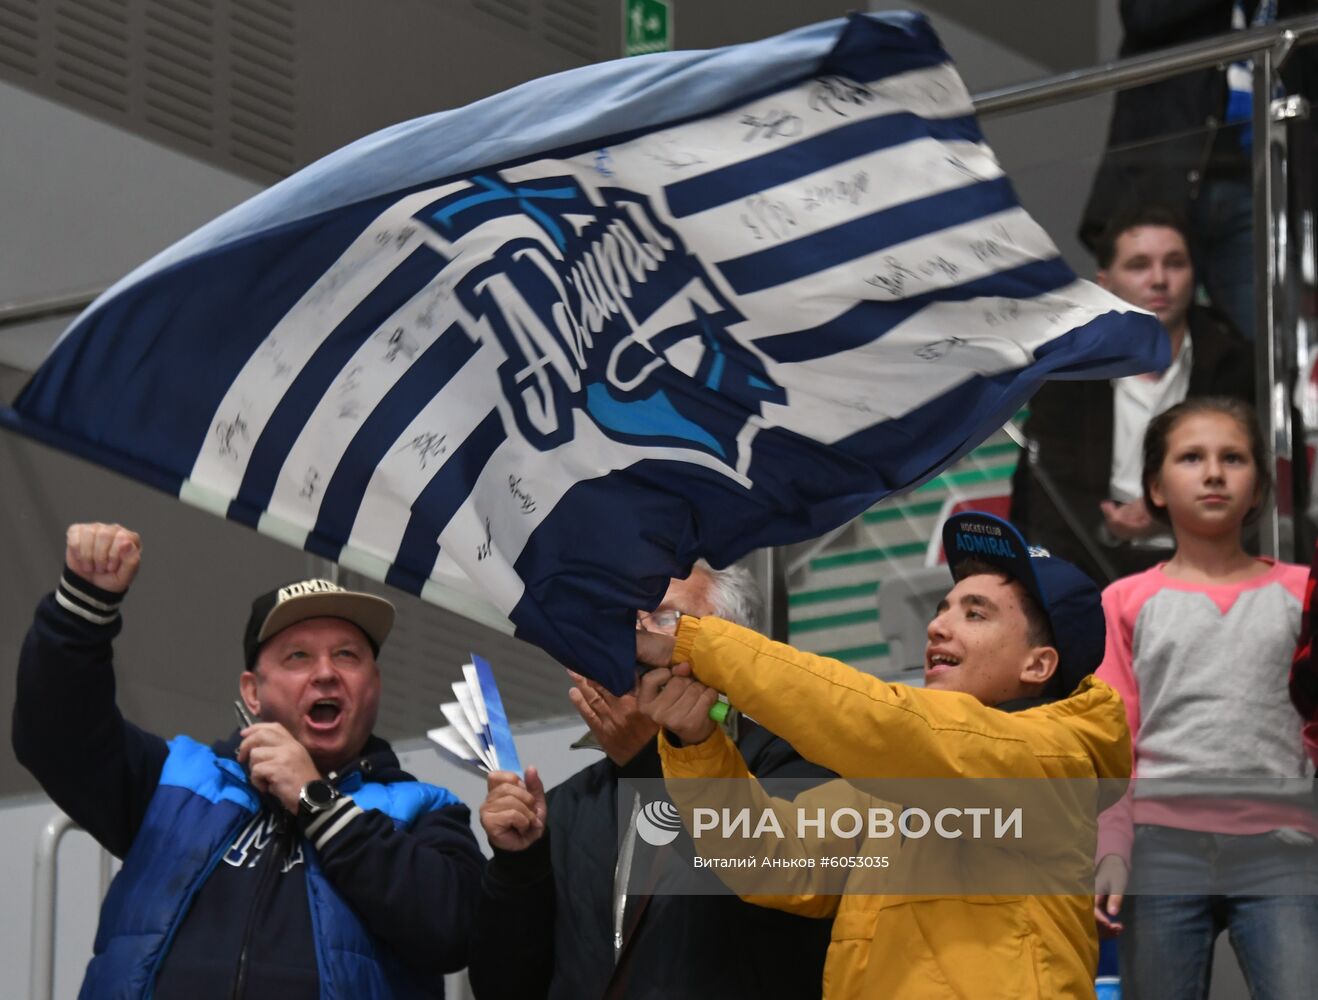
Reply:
x=1276 y=361
x=45 y=889
x=47 y=306
x=1118 y=74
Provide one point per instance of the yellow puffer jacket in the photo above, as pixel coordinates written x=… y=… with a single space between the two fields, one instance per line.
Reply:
x=909 y=947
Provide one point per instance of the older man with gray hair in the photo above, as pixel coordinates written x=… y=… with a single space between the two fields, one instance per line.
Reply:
x=561 y=917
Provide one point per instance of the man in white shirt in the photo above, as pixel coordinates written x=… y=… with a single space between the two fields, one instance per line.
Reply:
x=1150 y=268
x=1077 y=490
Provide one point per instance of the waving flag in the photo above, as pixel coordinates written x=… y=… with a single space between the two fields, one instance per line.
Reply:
x=554 y=346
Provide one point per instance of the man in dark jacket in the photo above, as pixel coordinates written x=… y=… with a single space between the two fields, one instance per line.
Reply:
x=295 y=859
x=561 y=918
x=1076 y=490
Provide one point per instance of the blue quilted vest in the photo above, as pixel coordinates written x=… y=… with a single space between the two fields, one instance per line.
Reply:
x=199 y=806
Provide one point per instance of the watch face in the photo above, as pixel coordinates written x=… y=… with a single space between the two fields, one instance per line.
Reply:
x=319 y=793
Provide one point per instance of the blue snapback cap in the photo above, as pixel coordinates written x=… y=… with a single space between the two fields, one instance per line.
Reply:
x=1069 y=598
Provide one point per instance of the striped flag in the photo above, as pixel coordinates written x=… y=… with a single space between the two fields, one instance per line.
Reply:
x=554 y=346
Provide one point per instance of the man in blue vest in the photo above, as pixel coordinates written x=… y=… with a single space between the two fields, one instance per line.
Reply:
x=295 y=859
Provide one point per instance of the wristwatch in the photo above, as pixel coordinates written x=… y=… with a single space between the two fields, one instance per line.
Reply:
x=315 y=797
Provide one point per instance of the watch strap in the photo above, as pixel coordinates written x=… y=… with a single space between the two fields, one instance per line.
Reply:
x=324 y=826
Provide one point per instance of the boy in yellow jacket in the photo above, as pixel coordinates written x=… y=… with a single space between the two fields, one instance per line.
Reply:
x=1007 y=694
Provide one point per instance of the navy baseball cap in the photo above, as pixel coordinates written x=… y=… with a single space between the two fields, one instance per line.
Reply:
x=1069 y=598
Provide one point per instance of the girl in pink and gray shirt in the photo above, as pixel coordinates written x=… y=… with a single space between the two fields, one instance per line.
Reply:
x=1219 y=830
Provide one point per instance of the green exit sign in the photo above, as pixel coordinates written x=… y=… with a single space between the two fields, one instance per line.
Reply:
x=647 y=26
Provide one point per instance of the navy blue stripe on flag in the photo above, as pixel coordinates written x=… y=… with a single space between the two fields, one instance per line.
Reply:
x=439 y=501
x=888 y=227
x=789 y=163
x=294 y=409
x=422 y=381
x=950 y=425
x=125 y=367
x=871 y=49
x=868 y=321
x=133 y=466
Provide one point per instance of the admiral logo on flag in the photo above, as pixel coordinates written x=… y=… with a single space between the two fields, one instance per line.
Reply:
x=533 y=357
x=590 y=304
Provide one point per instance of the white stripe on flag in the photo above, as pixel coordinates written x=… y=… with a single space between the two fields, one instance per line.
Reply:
x=939 y=260
x=259 y=387
x=938 y=92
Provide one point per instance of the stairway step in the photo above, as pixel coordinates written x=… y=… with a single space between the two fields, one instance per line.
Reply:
x=827 y=595
x=857 y=654
x=836 y=621
x=900 y=550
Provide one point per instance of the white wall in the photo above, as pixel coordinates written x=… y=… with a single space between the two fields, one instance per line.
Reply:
x=83 y=203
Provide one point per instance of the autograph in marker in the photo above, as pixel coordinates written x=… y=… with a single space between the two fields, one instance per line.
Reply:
x=774 y=124
x=524 y=499
x=427 y=446
x=839 y=95
x=227 y=431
